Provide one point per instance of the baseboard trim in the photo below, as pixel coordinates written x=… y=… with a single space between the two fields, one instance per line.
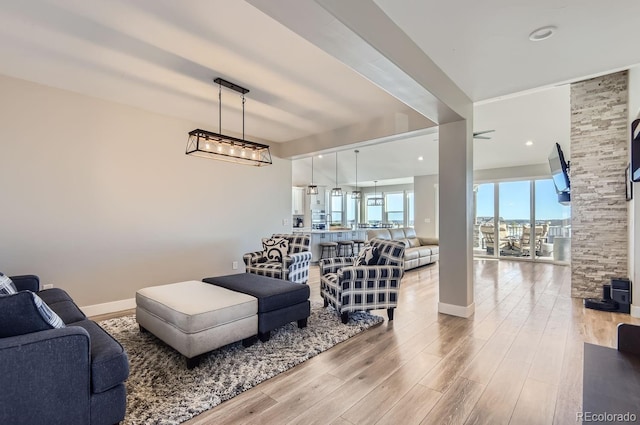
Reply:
x=635 y=311
x=457 y=310
x=111 y=307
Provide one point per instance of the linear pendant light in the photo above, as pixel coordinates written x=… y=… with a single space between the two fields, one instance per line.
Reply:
x=312 y=189
x=207 y=144
x=336 y=191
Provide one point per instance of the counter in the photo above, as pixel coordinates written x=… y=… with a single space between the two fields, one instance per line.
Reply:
x=319 y=236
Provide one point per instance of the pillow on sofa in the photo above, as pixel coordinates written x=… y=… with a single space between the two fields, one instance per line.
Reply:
x=275 y=249
x=21 y=314
x=6 y=285
x=413 y=242
x=367 y=257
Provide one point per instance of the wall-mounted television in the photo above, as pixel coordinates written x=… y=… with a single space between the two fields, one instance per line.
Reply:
x=635 y=150
x=560 y=174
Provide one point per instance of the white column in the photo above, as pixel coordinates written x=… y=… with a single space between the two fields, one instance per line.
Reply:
x=456 y=208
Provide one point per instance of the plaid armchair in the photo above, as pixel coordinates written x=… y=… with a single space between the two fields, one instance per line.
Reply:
x=294 y=266
x=356 y=288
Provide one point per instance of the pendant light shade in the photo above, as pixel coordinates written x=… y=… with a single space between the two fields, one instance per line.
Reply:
x=312 y=189
x=207 y=144
x=336 y=191
x=356 y=194
x=376 y=201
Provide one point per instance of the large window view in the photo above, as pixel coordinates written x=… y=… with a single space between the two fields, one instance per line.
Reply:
x=529 y=222
x=395 y=208
x=336 y=209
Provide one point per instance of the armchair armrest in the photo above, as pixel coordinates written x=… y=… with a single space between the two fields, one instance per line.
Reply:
x=332 y=265
x=297 y=258
x=429 y=241
x=368 y=273
x=27 y=282
x=253 y=257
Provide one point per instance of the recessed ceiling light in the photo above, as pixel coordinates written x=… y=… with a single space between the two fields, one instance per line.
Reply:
x=420 y=158
x=529 y=143
x=542 y=33
x=319 y=156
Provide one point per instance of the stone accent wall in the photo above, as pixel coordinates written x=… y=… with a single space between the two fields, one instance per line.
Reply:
x=599 y=155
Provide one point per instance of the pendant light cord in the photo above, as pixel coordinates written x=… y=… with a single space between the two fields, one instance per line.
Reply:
x=220 y=108
x=336 y=169
x=243 y=100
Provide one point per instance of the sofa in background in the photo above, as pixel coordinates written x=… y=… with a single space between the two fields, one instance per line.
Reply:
x=418 y=251
x=70 y=375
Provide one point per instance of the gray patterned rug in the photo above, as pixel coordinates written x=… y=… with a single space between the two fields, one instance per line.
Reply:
x=160 y=389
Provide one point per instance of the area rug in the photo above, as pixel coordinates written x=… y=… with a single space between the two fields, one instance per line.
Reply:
x=161 y=390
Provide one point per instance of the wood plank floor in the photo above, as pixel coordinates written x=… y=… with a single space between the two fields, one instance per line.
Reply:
x=518 y=360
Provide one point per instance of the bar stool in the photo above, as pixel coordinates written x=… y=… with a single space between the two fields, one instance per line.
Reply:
x=331 y=248
x=344 y=248
x=358 y=244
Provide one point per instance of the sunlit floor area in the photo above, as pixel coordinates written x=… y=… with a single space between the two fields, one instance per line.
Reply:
x=518 y=360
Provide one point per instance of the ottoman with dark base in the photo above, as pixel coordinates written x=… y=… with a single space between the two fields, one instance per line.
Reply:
x=279 y=301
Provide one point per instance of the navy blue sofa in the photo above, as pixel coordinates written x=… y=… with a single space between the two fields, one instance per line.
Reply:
x=72 y=375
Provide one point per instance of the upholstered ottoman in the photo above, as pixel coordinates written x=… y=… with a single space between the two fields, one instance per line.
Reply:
x=279 y=301
x=194 y=317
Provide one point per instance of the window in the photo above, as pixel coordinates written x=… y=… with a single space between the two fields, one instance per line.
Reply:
x=352 y=210
x=410 y=209
x=374 y=213
x=336 y=209
x=394 y=205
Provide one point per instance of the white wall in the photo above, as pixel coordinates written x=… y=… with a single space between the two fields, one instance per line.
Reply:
x=426 y=209
x=99 y=198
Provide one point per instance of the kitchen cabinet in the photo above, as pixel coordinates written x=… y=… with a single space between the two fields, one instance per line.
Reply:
x=297 y=200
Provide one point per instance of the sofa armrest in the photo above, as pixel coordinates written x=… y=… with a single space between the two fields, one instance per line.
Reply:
x=629 y=338
x=46 y=377
x=332 y=265
x=429 y=241
x=253 y=257
x=27 y=282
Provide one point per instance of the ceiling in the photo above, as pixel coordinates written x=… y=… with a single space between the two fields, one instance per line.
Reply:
x=162 y=55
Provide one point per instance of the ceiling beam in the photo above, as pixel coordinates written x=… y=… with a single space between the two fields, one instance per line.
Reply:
x=360 y=35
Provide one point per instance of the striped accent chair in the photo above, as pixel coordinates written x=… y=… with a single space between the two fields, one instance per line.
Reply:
x=362 y=288
x=294 y=266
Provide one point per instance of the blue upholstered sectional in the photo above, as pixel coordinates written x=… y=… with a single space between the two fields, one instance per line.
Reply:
x=72 y=375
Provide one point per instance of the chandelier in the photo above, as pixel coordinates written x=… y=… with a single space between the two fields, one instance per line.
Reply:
x=312 y=189
x=207 y=144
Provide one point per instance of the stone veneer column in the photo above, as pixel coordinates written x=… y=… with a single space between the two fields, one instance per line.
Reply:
x=599 y=155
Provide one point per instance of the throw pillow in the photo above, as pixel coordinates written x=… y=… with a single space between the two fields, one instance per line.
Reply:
x=368 y=256
x=413 y=242
x=6 y=285
x=46 y=313
x=275 y=249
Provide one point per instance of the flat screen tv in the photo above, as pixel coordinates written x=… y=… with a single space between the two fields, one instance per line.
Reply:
x=635 y=150
x=560 y=174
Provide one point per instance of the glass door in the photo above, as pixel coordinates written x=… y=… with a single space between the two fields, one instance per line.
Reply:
x=483 y=228
x=553 y=224
x=514 y=232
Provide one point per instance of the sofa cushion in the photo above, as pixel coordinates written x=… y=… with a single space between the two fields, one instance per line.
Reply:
x=410 y=232
x=368 y=256
x=62 y=304
x=411 y=254
x=378 y=234
x=275 y=249
x=6 y=285
x=397 y=234
x=435 y=249
x=109 y=363
x=423 y=251
x=19 y=315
